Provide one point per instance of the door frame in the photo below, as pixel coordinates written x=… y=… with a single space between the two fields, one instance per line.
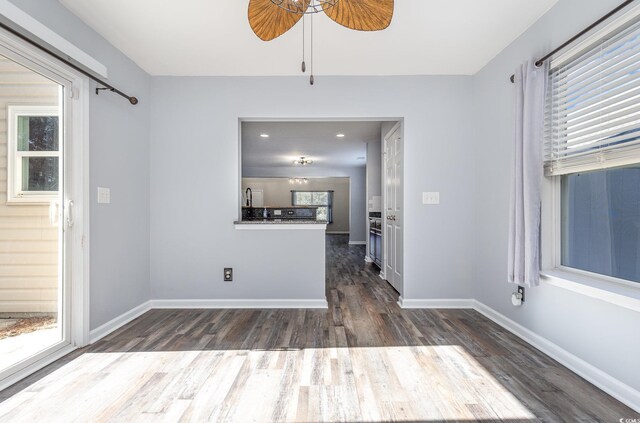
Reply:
x=76 y=187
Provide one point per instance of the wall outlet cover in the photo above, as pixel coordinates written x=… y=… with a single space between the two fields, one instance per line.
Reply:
x=430 y=198
x=104 y=195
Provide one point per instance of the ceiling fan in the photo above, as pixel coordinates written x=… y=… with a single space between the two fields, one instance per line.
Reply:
x=271 y=18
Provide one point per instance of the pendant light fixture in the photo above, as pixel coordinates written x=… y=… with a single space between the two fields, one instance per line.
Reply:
x=302 y=161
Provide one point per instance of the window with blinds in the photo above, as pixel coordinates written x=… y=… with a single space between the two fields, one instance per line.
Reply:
x=593 y=103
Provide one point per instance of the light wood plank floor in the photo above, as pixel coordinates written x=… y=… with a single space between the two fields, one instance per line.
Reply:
x=363 y=360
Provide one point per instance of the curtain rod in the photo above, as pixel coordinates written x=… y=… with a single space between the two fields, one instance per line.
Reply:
x=580 y=34
x=132 y=100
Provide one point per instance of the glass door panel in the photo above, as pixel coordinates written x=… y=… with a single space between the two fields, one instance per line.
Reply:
x=32 y=285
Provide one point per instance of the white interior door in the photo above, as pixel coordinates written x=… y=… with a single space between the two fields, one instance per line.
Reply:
x=393 y=219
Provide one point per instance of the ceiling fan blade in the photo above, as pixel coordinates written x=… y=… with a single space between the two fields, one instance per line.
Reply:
x=269 y=21
x=361 y=15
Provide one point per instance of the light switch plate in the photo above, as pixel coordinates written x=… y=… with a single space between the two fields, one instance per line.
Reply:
x=430 y=198
x=104 y=195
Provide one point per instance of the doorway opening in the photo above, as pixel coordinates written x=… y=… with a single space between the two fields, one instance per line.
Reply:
x=337 y=167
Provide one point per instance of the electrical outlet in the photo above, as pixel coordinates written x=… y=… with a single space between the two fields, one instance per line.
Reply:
x=521 y=292
x=228 y=274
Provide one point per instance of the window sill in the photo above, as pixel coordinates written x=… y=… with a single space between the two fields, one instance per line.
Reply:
x=622 y=295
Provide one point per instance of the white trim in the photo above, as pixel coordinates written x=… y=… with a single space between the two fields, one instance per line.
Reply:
x=338 y=232
x=617 y=389
x=357 y=242
x=116 y=323
x=592 y=287
x=81 y=249
x=37 y=29
x=435 y=303
x=368 y=259
x=33 y=367
x=237 y=303
x=279 y=226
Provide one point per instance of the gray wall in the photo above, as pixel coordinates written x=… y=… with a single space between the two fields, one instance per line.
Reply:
x=194 y=190
x=357 y=189
x=119 y=154
x=277 y=193
x=603 y=334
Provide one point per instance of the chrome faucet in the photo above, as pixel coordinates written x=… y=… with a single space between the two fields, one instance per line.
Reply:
x=249 y=195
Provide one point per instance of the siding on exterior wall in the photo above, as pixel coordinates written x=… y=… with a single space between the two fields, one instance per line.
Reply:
x=28 y=241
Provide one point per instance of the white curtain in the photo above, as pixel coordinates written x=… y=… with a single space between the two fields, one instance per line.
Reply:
x=527 y=174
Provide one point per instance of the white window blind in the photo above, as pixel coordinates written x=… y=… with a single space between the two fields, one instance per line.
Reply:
x=593 y=103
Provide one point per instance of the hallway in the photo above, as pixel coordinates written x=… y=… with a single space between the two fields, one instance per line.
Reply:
x=364 y=359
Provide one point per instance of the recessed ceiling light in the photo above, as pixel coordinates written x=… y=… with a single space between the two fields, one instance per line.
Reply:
x=264 y=135
x=340 y=135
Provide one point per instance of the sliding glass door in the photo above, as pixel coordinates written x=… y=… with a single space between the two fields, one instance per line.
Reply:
x=35 y=214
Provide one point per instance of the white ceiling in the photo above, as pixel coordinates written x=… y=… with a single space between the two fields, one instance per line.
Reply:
x=316 y=140
x=213 y=37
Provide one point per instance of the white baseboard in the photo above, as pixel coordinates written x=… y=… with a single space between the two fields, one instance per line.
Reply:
x=441 y=303
x=357 y=242
x=191 y=304
x=617 y=389
x=113 y=324
x=338 y=232
x=368 y=259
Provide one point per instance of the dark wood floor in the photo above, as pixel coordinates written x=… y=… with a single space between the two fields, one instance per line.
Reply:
x=364 y=359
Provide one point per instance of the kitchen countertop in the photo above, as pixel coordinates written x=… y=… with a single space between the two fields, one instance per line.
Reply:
x=280 y=224
x=273 y=221
x=280 y=207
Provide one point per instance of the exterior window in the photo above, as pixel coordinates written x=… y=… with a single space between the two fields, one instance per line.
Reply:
x=592 y=152
x=601 y=222
x=33 y=153
x=322 y=199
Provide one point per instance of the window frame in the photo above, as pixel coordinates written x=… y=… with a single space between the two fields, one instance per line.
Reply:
x=329 y=204
x=614 y=290
x=552 y=248
x=15 y=193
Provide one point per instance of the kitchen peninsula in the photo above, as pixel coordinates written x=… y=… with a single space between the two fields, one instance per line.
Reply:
x=282 y=233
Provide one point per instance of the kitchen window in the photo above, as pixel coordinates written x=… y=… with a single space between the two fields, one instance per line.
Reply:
x=33 y=171
x=322 y=199
x=592 y=153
